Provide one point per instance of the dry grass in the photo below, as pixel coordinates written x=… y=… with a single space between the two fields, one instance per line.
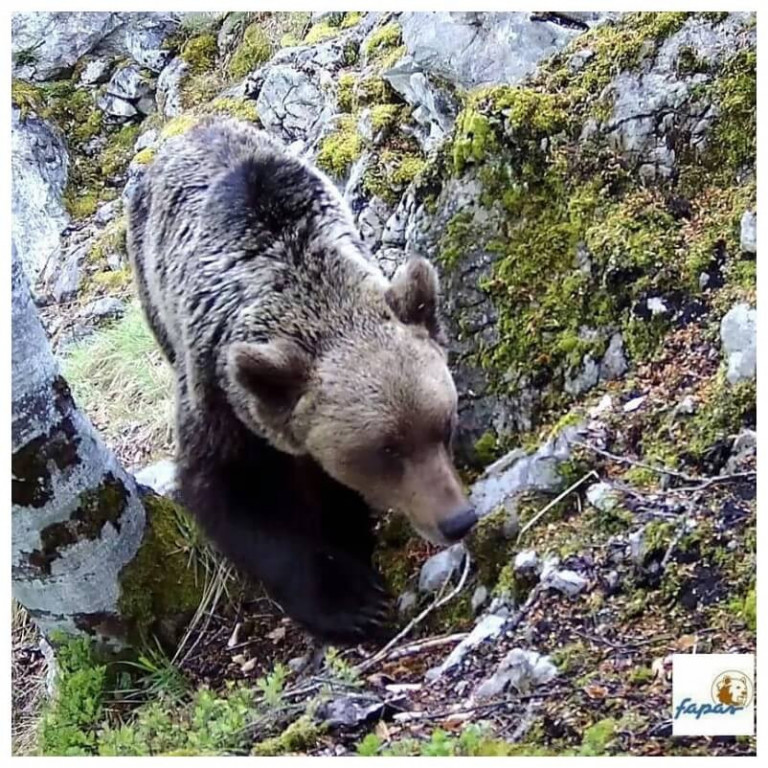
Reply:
x=121 y=380
x=28 y=670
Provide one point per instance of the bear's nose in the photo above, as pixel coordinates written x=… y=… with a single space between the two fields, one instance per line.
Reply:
x=456 y=527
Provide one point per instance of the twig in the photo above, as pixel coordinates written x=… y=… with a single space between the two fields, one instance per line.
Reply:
x=439 y=602
x=423 y=645
x=704 y=481
x=552 y=503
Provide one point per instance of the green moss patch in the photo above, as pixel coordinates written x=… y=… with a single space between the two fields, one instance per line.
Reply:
x=200 y=53
x=341 y=148
x=252 y=52
x=393 y=169
x=580 y=244
x=383 y=40
x=159 y=583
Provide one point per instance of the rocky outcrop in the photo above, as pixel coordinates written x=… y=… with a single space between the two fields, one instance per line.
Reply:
x=39 y=162
x=472 y=49
x=48 y=44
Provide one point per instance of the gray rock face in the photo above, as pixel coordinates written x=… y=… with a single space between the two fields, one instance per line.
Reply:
x=66 y=280
x=519 y=471
x=351 y=711
x=292 y=105
x=473 y=49
x=107 y=212
x=371 y=221
x=96 y=71
x=142 y=35
x=636 y=541
x=743 y=451
x=330 y=55
x=614 y=363
x=738 y=336
x=480 y=408
x=479 y=598
x=521 y=670
x=527 y=563
x=602 y=497
x=565 y=581
x=45 y=44
x=407 y=602
x=160 y=477
x=117 y=108
x=169 y=87
x=39 y=164
x=128 y=92
x=440 y=567
x=434 y=110
x=108 y=307
x=749 y=232
x=129 y=83
x=655 y=102
x=585 y=379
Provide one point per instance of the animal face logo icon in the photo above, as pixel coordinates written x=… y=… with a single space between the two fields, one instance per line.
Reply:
x=732 y=689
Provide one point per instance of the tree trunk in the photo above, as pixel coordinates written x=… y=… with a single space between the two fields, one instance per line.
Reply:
x=90 y=552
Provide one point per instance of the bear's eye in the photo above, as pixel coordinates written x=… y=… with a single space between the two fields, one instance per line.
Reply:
x=391 y=451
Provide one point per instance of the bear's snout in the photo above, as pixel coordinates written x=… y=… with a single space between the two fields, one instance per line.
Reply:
x=458 y=525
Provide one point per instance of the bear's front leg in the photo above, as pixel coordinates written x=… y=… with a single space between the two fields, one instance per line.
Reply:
x=337 y=598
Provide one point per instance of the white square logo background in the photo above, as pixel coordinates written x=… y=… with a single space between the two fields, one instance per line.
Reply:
x=695 y=681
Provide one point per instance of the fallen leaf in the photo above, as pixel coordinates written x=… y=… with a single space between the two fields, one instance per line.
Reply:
x=233 y=640
x=686 y=642
x=596 y=691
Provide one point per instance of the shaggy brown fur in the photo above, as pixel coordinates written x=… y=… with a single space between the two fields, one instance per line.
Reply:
x=305 y=380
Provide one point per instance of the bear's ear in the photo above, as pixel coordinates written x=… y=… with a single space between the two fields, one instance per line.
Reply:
x=276 y=372
x=414 y=296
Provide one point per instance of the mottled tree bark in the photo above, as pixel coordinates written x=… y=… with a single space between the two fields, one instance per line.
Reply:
x=79 y=523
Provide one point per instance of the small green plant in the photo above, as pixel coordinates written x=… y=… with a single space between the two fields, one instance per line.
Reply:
x=69 y=722
x=369 y=746
x=159 y=676
x=200 y=53
x=272 y=685
x=340 y=669
x=597 y=738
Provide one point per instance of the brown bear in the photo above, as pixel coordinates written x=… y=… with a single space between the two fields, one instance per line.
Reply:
x=310 y=390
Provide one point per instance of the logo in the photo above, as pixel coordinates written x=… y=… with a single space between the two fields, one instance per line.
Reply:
x=732 y=689
x=713 y=694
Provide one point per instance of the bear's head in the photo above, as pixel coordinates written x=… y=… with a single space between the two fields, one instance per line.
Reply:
x=377 y=409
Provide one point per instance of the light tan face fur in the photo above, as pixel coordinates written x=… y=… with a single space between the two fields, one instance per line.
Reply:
x=377 y=410
x=382 y=425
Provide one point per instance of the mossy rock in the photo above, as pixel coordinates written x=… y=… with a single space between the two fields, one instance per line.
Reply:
x=200 y=53
x=241 y=109
x=547 y=196
x=321 y=32
x=300 y=735
x=490 y=546
x=252 y=52
x=340 y=148
x=383 y=40
x=159 y=589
